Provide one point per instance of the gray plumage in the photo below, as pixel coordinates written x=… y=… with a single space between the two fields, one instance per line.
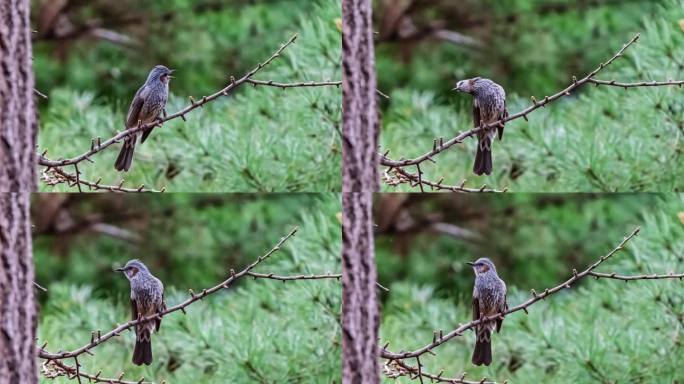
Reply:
x=146 y=107
x=489 y=298
x=147 y=299
x=489 y=106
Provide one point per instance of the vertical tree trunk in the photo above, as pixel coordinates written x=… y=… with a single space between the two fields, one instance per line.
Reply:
x=17 y=304
x=359 y=107
x=360 y=179
x=17 y=109
x=17 y=175
x=360 y=313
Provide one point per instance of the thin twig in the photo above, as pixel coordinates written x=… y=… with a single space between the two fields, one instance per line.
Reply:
x=336 y=276
x=39 y=287
x=599 y=275
x=614 y=83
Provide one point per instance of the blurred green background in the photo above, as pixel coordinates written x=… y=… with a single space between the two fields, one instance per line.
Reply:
x=256 y=331
x=598 y=331
x=599 y=139
x=90 y=57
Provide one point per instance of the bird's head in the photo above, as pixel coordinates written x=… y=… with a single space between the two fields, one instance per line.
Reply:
x=132 y=268
x=482 y=265
x=467 y=86
x=161 y=73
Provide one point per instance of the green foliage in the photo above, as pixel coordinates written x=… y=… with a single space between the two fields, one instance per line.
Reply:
x=600 y=139
x=256 y=331
x=598 y=331
x=258 y=139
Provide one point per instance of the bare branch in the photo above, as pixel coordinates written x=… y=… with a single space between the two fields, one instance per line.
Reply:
x=101 y=145
x=576 y=276
x=397 y=368
x=53 y=369
x=294 y=277
x=272 y=83
x=396 y=176
x=42 y=160
x=599 y=275
x=567 y=91
x=614 y=83
x=95 y=341
x=56 y=175
x=336 y=276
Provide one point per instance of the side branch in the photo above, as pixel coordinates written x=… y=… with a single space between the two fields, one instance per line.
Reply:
x=403 y=177
x=387 y=354
x=247 y=78
x=55 y=368
x=437 y=148
x=395 y=176
x=336 y=276
x=95 y=341
x=56 y=175
x=397 y=368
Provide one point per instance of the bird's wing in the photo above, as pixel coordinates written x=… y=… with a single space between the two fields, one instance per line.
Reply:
x=135 y=108
x=500 y=128
x=499 y=322
x=476 y=308
x=161 y=308
x=503 y=308
x=134 y=309
x=476 y=114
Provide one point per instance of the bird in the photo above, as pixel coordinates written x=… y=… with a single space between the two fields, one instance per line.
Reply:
x=489 y=299
x=147 y=299
x=147 y=105
x=489 y=107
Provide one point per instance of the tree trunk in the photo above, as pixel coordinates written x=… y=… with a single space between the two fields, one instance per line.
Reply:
x=17 y=303
x=17 y=109
x=17 y=175
x=360 y=314
x=360 y=179
x=359 y=106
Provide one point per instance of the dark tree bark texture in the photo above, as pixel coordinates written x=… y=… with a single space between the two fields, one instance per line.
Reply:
x=360 y=179
x=17 y=303
x=17 y=108
x=17 y=175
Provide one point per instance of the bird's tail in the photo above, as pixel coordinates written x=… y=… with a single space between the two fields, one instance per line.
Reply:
x=483 y=348
x=142 y=354
x=125 y=158
x=483 y=157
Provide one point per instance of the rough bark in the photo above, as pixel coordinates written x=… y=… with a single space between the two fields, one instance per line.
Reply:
x=17 y=304
x=359 y=105
x=17 y=175
x=359 y=299
x=360 y=179
x=17 y=108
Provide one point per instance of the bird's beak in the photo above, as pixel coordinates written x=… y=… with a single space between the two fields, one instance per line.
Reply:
x=470 y=263
x=454 y=89
x=170 y=72
x=118 y=270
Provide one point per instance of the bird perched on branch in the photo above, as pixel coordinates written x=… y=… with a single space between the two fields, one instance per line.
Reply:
x=489 y=299
x=489 y=107
x=147 y=105
x=147 y=299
